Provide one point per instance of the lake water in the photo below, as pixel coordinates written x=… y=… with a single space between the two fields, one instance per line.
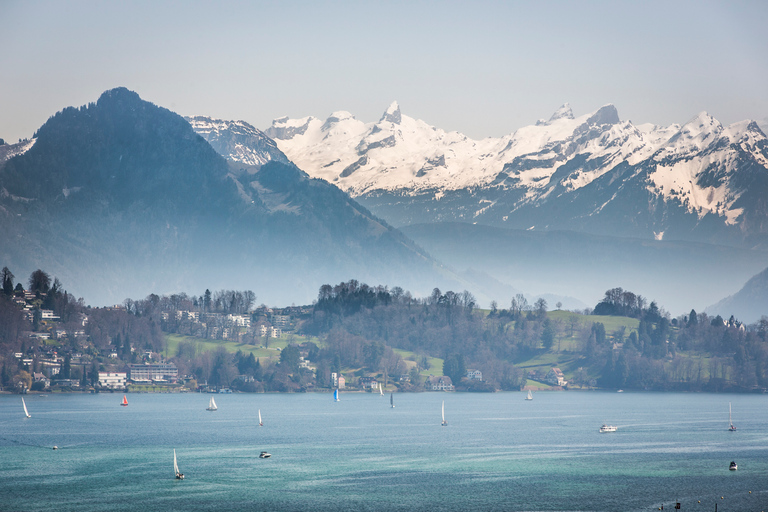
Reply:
x=499 y=452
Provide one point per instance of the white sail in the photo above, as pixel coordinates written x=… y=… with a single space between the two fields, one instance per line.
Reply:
x=175 y=464
x=530 y=396
x=381 y=389
x=259 y=417
x=730 y=420
x=212 y=405
x=25 y=408
x=444 y=423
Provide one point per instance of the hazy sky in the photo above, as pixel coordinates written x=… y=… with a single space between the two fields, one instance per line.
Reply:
x=482 y=68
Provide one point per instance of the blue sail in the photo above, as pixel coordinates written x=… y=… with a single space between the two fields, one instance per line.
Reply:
x=336 y=394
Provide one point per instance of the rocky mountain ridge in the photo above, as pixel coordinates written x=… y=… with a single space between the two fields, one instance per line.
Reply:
x=695 y=181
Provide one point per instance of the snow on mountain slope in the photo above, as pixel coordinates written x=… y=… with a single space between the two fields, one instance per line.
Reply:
x=237 y=140
x=399 y=153
x=8 y=151
x=701 y=167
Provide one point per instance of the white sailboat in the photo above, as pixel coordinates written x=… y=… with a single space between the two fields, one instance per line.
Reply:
x=381 y=389
x=530 y=396
x=731 y=426
x=392 y=400
x=179 y=474
x=211 y=405
x=260 y=423
x=25 y=408
x=444 y=423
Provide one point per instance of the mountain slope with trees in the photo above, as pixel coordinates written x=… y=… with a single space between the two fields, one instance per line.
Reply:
x=123 y=198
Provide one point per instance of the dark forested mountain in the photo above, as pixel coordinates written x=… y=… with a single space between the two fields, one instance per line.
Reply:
x=749 y=304
x=123 y=197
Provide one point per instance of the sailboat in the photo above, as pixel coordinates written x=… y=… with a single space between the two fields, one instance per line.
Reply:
x=445 y=423
x=336 y=394
x=381 y=389
x=530 y=396
x=25 y=408
x=731 y=426
x=211 y=405
x=179 y=474
x=392 y=400
x=260 y=423
x=124 y=403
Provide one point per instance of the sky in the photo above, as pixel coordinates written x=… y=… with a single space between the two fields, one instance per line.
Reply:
x=483 y=68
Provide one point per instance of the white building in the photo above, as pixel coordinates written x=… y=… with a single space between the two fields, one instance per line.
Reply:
x=556 y=377
x=474 y=375
x=158 y=371
x=112 y=380
x=442 y=383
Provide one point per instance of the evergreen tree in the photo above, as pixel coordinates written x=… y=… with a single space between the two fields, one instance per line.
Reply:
x=7 y=280
x=548 y=334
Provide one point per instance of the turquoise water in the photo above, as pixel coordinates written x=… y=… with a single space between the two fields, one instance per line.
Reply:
x=499 y=452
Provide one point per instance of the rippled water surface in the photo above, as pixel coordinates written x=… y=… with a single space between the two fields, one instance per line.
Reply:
x=499 y=452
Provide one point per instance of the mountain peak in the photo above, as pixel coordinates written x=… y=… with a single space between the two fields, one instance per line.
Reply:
x=119 y=94
x=564 y=112
x=607 y=114
x=392 y=114
x=701 y=124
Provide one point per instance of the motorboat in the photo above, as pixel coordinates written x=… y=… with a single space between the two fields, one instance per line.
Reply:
x=607 y=428
x=733 y=466
x=265 y=455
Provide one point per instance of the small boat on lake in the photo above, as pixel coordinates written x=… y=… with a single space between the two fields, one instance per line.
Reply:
x=530 y=396
x=444 y=423
x=179 y=474
x=336 y=395
x=265 y=455
x=381 y=389
x=731 y=426
x=733 y=466
x=607 y=428
x=392 y=400
x=260 y=423
x=124 y=403
x=211 y=405
x=26 y=412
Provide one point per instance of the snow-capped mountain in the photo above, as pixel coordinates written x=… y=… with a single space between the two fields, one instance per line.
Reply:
x=238 y=140
x=595 y=172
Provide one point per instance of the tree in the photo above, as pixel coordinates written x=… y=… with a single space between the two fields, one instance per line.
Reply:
x=559 y=305
x=548 y=334
x=66 y=368
x=289 y=358
x=7 y=281
x=207 y=301
x=372 y=354
x=541 y=307
x=39 y=282
x=693 y=318
x=454 y=367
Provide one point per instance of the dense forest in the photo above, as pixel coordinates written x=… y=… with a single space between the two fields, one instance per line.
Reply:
x=365 y=331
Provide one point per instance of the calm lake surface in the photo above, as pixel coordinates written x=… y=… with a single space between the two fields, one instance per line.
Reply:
x=499 y=452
